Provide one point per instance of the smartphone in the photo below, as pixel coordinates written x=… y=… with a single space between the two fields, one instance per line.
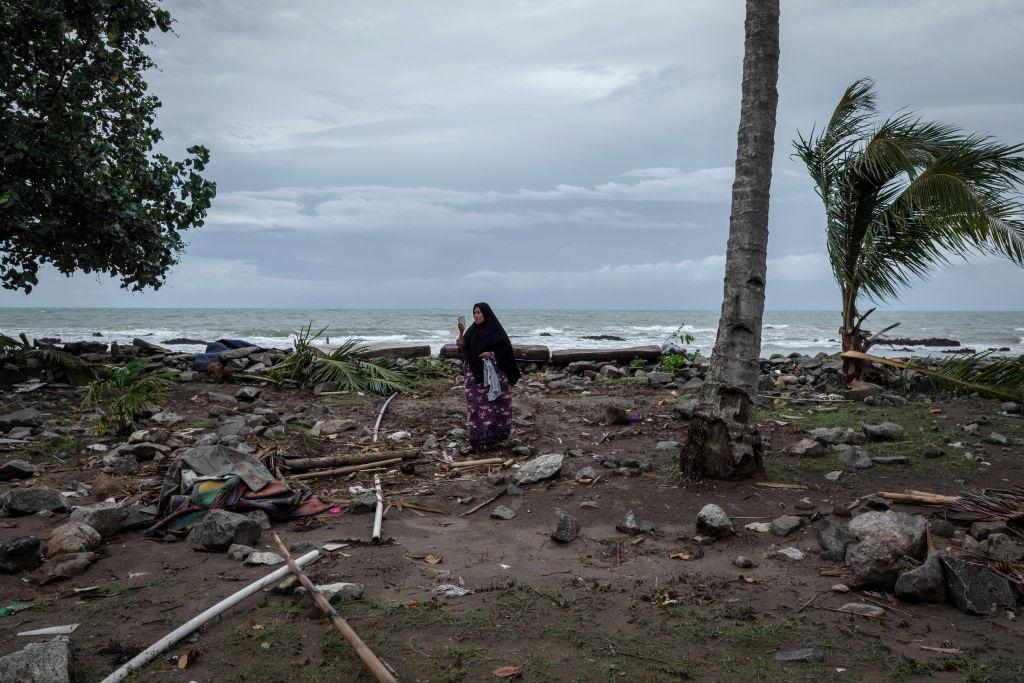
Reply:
x=462 y=320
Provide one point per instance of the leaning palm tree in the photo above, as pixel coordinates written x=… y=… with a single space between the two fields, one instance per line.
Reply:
x=902 y=197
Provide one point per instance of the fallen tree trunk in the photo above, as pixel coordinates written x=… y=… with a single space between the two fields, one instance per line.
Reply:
x=301 y=464
x=623 y=355
x=345 y=470
x=522 y=353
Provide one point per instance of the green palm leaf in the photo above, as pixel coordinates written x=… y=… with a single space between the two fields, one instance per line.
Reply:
x=1001 y=378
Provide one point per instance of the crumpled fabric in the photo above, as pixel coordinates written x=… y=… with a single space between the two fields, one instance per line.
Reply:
x=491 y=380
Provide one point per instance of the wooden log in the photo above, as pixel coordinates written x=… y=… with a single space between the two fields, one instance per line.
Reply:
x=921 y=497
x=377 y=668
x=406 y=351
x=622 y=355
x=344 y=460
x=478 y=463
x=345 y=470
x=524 y=353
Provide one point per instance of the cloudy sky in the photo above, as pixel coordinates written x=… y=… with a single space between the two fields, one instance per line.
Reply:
x=549 y=153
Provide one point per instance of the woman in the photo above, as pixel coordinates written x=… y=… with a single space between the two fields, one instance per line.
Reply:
x=489 y=403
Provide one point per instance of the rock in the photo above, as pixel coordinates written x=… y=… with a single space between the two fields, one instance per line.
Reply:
x=792 y=554
x=363 y=502
x=877 y=503
x=167 y=417
x=833 y=475
x=859 y=390
x=996 y=439
x=240 y=552
x=512 y=489
x=884 y=431
x=981 y=530
x=785 y=525
x=667 y=445
x=834 y=435
x=855 y=458
x=1002 y=548
x=264 y=557
x=974 y=589
x=931 y=451
x=616 y=415
x=219 y=529
x=119 y=463
x=941 y=527
x=540 y=468
x=713 y=521
x=145 y=451
x=926 y=582
x=26 y=417
x=237 y=354
x=522 y=451
x=29 y=501
x=862 y=609
x=248 y=394
x=1010 y=408
x=20 y=553
x=586 y=473
x=887 y=539
x=807 y=448
x=502 y=512
x=333 y=426
x=398 y=437
x=658 y=377
x=72 y=537
x=63 y=567
x=154 y=436
x=634 y=526
x=566 y=527
x=890 y=460
x=260 y=517
x=744 y=562
x=16 y=469
x=50 y=662
x=589 y=504
x=686 y=408
x=807 y=654
x=336 y=593
x=805 y=504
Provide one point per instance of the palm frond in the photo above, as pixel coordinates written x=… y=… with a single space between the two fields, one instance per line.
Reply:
x=1001 y=378
x=346 y=367
x=122 y=393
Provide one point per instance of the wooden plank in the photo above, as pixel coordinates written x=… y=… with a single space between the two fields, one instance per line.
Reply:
x=524 y=353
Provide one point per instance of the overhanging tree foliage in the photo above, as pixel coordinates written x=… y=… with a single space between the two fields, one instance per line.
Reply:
x=903 y=196
x=80 y=186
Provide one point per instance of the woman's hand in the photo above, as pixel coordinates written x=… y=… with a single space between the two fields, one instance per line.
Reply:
x=487 y=354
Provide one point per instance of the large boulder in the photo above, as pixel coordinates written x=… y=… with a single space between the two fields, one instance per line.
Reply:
x=889 y=542
x=220 y=529
x=72 y=537
x=713 y=521
x=49 y=662
x=926 y=582
x=106 y=518
x=29 y=501
x=974 y=589
x=20 y=553
x=540 y=468
x=16 y=469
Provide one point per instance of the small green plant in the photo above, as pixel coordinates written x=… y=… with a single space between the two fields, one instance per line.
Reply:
x=672 y=363
x=122 y=393
x=637 y=362
x=429 y=369
x=683 y=337
x=346 y=366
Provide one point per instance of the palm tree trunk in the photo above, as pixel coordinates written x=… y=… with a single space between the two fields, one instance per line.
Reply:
x=723 y=440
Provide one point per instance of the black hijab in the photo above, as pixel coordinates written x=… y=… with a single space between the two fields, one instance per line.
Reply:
x=489 y=336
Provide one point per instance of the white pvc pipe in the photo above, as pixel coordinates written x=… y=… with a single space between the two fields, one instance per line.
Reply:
x=380 y=416
x=378 y=515
x=185 y=629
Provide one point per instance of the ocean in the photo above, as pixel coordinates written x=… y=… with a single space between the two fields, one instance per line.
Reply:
x=784 y=332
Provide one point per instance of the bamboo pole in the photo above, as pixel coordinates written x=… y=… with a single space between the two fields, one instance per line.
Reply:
x=356 y=459
x=478 y=463
x=345 y=470
x=376 y=667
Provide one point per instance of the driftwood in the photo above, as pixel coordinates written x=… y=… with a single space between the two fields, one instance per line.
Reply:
x=921 y=497
x=358 y=459
x=477 y=463
x=566 y=356
x=522 y=353
x=345 y=470
x=377 y=668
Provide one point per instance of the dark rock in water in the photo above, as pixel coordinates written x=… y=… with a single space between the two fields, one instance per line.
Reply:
x=926 y=582
x=597 y=337
x=566 y=527
x=184 y=340
x=834 y=539
x=78 y=348
x=21 y=553
x=219 y=529
x=807 y=654
x=29 y=501
x=63 y=567
x=974 y=589
x=50 y=662
x=634 y=525
x=16 y=469
x=929 y=341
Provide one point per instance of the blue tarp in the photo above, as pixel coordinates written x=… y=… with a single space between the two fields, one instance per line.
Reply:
x=213 y=351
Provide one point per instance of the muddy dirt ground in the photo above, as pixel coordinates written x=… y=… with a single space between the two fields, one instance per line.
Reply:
x=607 y=606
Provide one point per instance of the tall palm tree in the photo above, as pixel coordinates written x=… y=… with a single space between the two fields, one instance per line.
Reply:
x=904 y=196
x=723 y=441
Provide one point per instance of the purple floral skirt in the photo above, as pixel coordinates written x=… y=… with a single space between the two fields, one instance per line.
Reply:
x=489 y=421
